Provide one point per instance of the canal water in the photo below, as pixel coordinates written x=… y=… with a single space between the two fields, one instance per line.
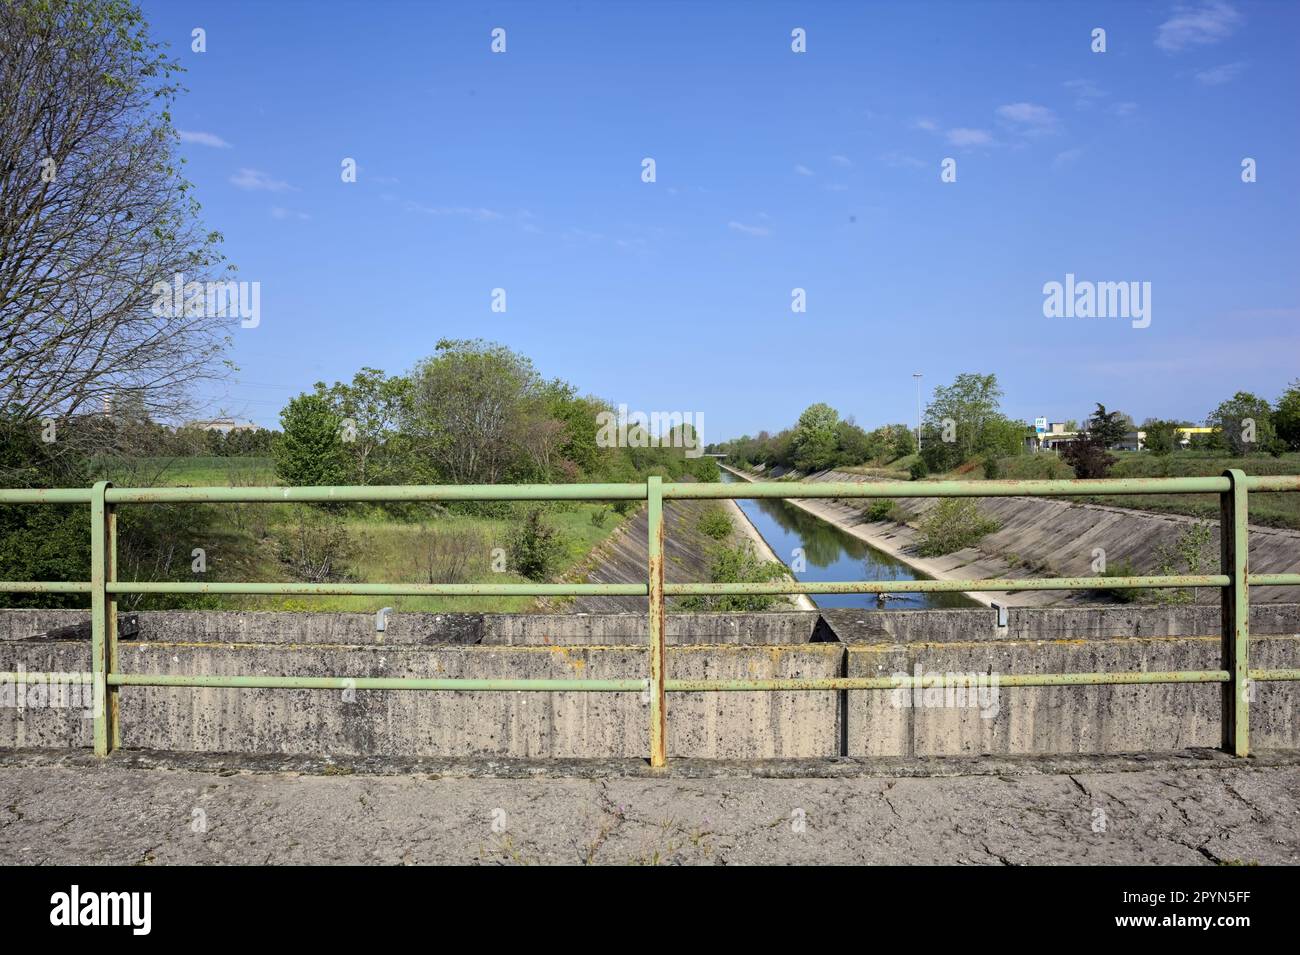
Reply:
x=831 y=554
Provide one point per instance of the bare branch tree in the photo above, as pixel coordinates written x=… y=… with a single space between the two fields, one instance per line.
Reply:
x=94 y=212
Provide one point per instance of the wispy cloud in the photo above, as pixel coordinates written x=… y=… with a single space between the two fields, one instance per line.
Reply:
x=969 y=137
x=1066 y=157
x=280 y=212
x=1220 y=74
x=757 y=230
x=1198 y=24
x=255 y=179
x=803 y=170
x=901 y=160
x=478 y=213
x=1029 y=118
x=1126 y=108
x=925 y=123
x=202 y=139
x=841 y=160
x=1086 y=93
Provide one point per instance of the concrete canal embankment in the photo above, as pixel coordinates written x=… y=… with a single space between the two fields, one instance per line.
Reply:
x=1038 y=537
x=854 y=642
x=624 y=557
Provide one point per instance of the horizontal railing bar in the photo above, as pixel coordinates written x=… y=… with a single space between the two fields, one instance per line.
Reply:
x=45 y=586
x=1272 y=482
x=49 y=495
x=393 y=492
x=895 y=489
x=380 y=590
x=947 y=680
x=464 y=685
x=946 y=586
x=1273 y=580
x=1274 y=674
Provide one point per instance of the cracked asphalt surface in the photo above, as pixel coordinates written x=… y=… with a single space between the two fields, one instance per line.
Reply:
x=129 y=815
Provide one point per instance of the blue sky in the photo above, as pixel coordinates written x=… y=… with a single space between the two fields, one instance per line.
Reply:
x=775 y=170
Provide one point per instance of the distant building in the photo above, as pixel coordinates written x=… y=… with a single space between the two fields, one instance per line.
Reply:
x=224 y=425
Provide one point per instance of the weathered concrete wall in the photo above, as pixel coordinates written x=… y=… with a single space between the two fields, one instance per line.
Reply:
x=722 y=646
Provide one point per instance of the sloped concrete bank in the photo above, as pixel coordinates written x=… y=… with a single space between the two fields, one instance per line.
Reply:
x=625 y=556
x=1050 y=538
x=726 y=725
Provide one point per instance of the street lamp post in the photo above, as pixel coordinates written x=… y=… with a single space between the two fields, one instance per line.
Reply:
x=917 y=376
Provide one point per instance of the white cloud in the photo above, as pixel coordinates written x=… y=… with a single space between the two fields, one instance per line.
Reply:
x=925 y=123
x=969 y=137
x=1197 y=24
x=470 y=212
x=256 y=179
x=280 y=212
x=1029 y=118
x=1066 y=157
x=202 y=139
x=803 y=170
x=1086 y=93
x=1220 y=74
x=901 y=160
x=841 y=160
x=1124 y=109
x=748 y=229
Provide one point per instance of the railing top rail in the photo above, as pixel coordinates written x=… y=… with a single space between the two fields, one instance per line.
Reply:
x=638 y=491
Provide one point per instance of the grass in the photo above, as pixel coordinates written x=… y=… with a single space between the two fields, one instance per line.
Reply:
x=245 y=541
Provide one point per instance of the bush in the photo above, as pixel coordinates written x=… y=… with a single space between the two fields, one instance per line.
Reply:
x=716 y=524
x=918 y=469
x=534 y=547
x=1124 y=595
x=738 y=565
x=1088 y=457
x=599 y=516
x=879 y=509
x=992 y=469
x=952 y=524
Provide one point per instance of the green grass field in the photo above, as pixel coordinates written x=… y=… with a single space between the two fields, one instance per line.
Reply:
x=415 y=543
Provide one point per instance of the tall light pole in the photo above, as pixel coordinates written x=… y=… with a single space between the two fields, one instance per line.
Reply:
x=917 y=376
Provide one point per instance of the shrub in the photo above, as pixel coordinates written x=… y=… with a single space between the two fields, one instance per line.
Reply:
x=534 y=547
x=738 y=565
x=952 y=524
x=1189 y=554
x=880 y=509
x=1124 y=595
x=992 y=469
x=1088 y=457
x=599 y=516
x=918 y=469
x=715 y=523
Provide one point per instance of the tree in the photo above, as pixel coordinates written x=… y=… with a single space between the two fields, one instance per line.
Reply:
x=815 y=439
x=311 y=452
x=1088 y=456
x=93 y=213
x=1286 y=416
x=466 y=405
x=962 y=420
x=1109 y=427
x=1245 y=422
x=1161 y=436
x=370 y=410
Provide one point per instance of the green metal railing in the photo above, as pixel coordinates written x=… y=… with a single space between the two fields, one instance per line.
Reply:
x=104 y=587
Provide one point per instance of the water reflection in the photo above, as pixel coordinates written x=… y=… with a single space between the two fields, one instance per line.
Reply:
x=831 y=554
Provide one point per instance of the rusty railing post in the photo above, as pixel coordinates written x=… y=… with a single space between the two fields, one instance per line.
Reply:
x=103 y=618
x=655 y=567
x=1234 y=614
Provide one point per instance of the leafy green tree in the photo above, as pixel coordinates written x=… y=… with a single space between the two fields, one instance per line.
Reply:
x=1161 y=436
x=310 y=452
x=535 y=548
x=815 y=441
x=1245 y=422
x=1109 y=427
x=370 y=410
x=1286 y=416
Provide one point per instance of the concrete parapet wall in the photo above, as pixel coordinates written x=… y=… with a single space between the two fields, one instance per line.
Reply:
x=1043 y=720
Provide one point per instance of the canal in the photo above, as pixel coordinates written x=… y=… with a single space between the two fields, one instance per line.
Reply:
x=831 y=554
